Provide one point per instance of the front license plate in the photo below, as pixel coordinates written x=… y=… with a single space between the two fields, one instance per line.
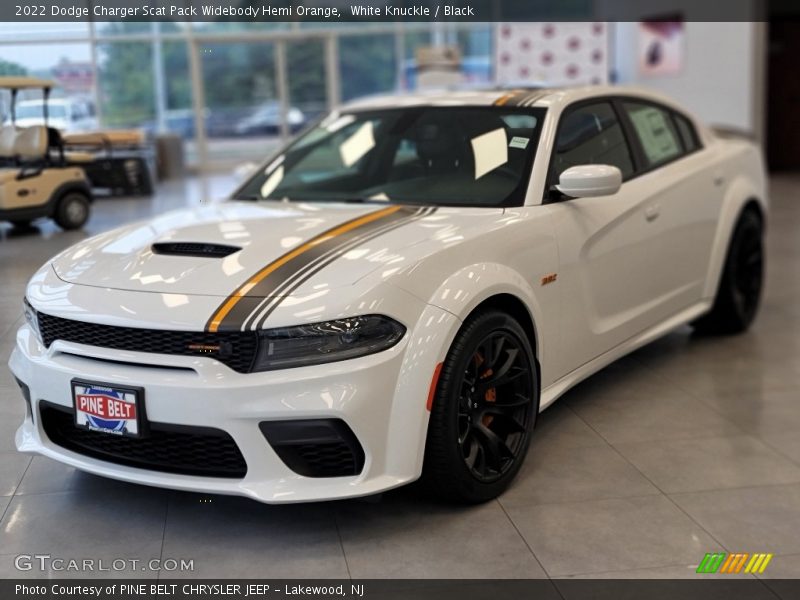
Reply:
x=108 y=408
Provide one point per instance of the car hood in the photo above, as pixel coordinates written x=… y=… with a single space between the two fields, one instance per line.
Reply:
x=271 y=245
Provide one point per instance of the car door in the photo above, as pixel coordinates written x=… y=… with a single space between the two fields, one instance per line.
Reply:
x=616 y=279
x=685 y=197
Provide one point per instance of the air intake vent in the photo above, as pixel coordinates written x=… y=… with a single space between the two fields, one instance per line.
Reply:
x=194 y=249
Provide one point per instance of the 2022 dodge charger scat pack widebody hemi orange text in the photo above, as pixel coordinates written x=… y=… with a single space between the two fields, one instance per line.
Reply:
x=396 y=294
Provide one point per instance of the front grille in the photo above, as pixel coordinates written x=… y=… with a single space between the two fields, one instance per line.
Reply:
x=194 y=249
x=237 y=349
x=315 y=447
x=185 y=450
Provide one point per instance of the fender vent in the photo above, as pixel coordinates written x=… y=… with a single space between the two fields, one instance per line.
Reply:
x=194 y=249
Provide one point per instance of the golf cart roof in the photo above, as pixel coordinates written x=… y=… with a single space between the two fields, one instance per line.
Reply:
x=23 y=83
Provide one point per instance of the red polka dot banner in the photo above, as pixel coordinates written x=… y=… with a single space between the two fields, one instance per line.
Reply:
x=551 y=53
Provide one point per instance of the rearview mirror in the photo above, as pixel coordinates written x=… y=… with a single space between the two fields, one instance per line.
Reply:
x=587 y=181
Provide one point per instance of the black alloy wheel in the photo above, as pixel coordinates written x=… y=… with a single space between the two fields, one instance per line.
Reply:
x=484 y=410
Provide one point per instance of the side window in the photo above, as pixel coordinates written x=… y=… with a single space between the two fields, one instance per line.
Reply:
x=687 y=133
x=591 y=135
x=656 y=132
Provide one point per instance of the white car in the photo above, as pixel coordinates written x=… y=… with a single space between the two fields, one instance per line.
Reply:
x=65 y=114
x=397 y=293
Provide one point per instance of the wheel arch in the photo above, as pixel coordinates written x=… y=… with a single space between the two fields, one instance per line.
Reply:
x=742 y=196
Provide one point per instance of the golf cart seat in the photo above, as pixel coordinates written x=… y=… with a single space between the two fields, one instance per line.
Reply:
x=8 y=135
x=31 y=143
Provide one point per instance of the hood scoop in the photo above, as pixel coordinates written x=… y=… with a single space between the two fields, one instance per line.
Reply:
x=194 y=249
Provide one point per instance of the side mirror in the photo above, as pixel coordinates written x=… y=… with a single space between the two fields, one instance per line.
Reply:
x=587 y=181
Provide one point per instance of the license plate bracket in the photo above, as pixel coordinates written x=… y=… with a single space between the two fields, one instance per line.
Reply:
x=109 y=408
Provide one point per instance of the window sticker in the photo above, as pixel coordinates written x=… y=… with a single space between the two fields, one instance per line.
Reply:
x=519 y=142
x=489 y=151
x=657 y=138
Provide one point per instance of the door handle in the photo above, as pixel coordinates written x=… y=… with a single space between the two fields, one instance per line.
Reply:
x=651 y=213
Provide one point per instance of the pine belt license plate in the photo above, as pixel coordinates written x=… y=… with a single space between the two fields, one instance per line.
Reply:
x=108 y=408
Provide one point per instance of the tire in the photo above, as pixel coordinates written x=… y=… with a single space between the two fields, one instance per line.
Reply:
x=474 y=449
x=72 y=210
x=739 y=293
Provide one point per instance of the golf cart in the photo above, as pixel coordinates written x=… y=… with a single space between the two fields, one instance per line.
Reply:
x=37 y=177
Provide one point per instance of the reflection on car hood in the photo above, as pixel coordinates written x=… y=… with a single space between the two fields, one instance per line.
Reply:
x=332 y=245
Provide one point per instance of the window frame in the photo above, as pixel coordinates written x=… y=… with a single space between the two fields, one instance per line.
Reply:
x=644 y=167
x=577 y=105
x=638 y=156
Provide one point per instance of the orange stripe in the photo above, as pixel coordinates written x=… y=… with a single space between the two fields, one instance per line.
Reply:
x=434 y=382
x=255 y=279
x=503 y=99
x=739 y=566
x=728 y=561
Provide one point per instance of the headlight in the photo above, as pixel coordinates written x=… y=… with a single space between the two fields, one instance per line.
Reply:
x=32 y=318
x=303 y=345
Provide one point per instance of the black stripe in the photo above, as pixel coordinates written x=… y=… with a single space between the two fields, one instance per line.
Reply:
x=278 y=294
x=267 y=287
x=420 y=214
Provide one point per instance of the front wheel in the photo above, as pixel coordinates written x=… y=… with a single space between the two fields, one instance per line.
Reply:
x=483 y=412
x=72 y=210
x=739 y=293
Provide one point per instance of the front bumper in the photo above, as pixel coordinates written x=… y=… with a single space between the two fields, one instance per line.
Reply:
x=380 y=397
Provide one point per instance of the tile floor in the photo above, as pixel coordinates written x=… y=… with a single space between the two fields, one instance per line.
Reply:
x=685 y=447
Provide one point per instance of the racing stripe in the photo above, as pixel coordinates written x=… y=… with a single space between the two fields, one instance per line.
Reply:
x=273 y=303
x=232 y=313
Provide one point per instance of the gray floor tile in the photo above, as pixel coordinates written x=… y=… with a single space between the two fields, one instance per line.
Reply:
x=787 y=444
x=78 y=525
x=650 y=415
x=601 y=535
x=562 y=474
x=413 y=539
x=236 y=537
x=4 y=502
x=768 y=412
x=12 y=468
x=757 y=519
x=558 y=425
x=8 y=429
x=46 y=476
x=707 y=464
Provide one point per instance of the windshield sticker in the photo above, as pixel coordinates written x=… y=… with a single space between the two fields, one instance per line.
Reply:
x=489 y=151
x=519 y=142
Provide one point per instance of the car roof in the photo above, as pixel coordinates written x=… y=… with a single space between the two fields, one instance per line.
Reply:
x=543 y=96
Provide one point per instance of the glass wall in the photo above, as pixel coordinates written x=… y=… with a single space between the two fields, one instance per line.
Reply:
x=72 y=107
x=257 y=83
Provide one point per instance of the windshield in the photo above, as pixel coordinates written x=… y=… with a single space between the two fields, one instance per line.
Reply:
x=458 y=156
x=35 y=111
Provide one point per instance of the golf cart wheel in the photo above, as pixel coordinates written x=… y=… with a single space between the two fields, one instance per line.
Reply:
x=72 y=210
x=483 y=412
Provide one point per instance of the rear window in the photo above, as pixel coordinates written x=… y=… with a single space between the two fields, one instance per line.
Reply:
x=656 y=131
